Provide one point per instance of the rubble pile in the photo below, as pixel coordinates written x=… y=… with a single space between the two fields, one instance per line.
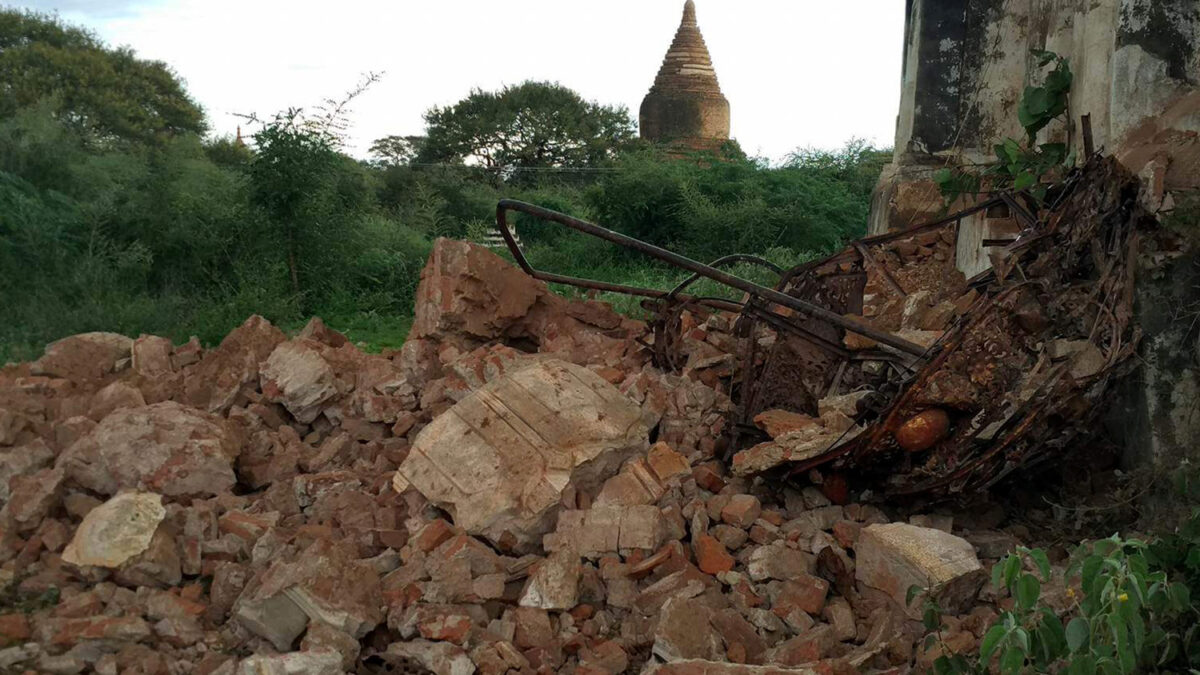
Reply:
x=519 y=488
x=1008 y=368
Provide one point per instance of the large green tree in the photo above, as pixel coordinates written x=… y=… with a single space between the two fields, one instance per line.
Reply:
x=109 y=93
x=534 y=124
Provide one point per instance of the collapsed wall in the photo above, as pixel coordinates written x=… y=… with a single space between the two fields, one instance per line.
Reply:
x=516 y=490
x=1136 y=66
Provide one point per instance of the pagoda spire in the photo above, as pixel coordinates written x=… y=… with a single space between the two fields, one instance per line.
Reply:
x=685 y=105
x=688 y=65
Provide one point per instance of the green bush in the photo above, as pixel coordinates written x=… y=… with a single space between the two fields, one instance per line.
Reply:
x=1130 y=610
x=116 y=215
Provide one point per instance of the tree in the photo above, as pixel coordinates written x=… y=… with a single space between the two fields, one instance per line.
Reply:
x=289 y=181
x=107 y=92
x=535 y=124
x=396 y=150
x=310 y=194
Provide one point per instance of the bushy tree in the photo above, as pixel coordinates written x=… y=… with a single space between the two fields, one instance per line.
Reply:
x=110 y=93
x=308 y=193
x=396 y=150
x=534 y=124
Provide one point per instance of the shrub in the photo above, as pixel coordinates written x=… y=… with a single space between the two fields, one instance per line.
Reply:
x=1130 y=610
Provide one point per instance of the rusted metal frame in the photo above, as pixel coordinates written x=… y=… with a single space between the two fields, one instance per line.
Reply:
x=1022 y=428
x=748 y=390
x=680 y=261
x=1028 y=220
x=1089 y=142
x=837 y=379
x=870 y=262
x=941 y=222
x=721 y=262
x=780 y=324
x=850 y=253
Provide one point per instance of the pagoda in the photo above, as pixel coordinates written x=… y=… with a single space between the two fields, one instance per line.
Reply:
x=685 y=108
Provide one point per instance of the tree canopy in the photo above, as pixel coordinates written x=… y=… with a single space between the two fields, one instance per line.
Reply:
x=534 y=124
x=396 y=150
x=107 y=92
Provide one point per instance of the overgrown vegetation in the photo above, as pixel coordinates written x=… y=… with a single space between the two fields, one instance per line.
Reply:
x=117 y=214
x=1128 y=608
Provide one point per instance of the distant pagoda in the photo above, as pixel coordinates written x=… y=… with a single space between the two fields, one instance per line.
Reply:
x=685 y=108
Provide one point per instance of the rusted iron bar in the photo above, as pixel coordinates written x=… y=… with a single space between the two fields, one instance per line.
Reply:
x=871 y=263
x=682 y=262
x=721 y=262
x=1089 y=143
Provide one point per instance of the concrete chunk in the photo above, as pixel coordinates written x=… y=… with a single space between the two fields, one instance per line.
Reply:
x=897 y=556
x=501 y=458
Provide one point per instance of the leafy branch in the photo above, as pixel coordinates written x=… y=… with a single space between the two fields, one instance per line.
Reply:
x=1023 y=166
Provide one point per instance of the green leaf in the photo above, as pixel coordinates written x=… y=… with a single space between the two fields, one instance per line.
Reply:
x=1021 y=637
x=1058 y=82
x=1028 y=591
x=1053 y=153
x=1012 y=567
x=913 y=592
x=932 y=618
x=1137 y=629
x=1012 y=150
x=1128 y=659
x=1052 y=635
x=1011 y=660
x=1024 y=180
x=1078 y=632
x=1083 y=664
x=1038 y=101
x=991 y=640
x=1181 y=597
x=1041 y=560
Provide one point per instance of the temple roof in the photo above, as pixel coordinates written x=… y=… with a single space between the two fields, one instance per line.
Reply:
x=688 y=66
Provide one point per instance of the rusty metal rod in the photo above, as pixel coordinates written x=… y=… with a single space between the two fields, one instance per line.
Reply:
x=721 y=262
x=690 y=265
x=871 y=263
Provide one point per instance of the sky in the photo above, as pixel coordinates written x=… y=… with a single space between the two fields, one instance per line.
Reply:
x=797 y=73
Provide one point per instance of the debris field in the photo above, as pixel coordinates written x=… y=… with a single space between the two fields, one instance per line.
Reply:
x=537 y=484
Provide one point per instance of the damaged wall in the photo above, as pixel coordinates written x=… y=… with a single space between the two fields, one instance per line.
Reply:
x=967 y=62
x=1137 y=76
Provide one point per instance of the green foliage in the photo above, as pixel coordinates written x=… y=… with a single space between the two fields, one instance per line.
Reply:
x=1022 y=166
x=1041 y=105
x=1130 y=610
x=705 y=211
x=115 y=215
x=162 y=239
x=228 y=152
x=396 y=150
x=109 y=93
x=533 y=124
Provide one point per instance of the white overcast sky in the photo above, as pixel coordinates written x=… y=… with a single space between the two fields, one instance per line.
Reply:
x=796 y=72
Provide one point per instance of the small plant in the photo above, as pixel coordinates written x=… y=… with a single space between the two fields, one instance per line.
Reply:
x=947 y=663
x=1023 y=166
x=1129 y=610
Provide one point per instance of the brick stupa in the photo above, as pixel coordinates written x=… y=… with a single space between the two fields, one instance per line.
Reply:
x=685 y=108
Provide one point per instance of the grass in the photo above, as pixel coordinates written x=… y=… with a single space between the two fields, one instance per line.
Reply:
x=370 y=331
